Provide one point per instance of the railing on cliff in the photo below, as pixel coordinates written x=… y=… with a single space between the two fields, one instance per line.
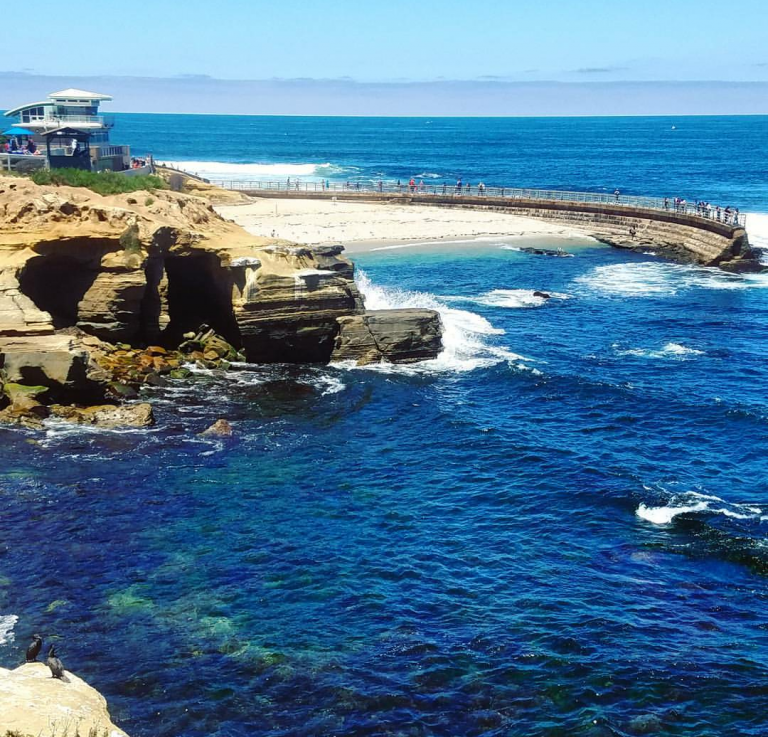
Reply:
x=725 y=215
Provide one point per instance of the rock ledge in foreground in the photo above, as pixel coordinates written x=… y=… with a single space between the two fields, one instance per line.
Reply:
x=33 y=703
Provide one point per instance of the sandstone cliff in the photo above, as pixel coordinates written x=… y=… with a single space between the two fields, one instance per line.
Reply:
x=34 y=704
x=148 y=268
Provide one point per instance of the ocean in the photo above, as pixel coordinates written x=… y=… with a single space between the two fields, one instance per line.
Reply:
x=557 y=527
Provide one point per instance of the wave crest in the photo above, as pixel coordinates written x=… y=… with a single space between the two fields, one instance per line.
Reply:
x=466 y=334
x=265 y=172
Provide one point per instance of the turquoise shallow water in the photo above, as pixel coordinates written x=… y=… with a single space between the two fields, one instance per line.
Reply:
x=557 y=528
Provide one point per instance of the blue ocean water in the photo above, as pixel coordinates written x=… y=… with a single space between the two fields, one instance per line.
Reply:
x=717 y=159
x=556 y=528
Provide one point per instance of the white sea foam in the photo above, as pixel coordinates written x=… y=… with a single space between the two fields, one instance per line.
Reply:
x=670 y=350
x=515 y=298
x=265 y=172
x=466 y=334
x=757 y=231
x=7 y=623
x=664 y=515
x=692 y=502
x=657 y=278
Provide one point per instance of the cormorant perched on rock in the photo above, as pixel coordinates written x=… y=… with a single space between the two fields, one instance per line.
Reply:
x=57 y=669
x=34 y=648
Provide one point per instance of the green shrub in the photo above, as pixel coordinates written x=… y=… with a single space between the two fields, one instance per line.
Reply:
x=149 y=201
x=129 y=240
x=101 y=182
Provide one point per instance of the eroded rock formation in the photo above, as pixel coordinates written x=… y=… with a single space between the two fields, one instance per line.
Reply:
x=395 y=336
x=145 y=269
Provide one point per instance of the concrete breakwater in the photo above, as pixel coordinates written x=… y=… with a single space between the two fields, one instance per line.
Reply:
x=680 y=235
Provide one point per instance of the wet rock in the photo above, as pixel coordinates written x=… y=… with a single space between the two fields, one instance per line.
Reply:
x=107 y=416
x=396 y=336
x=644 y=724
x=543 y=295
x=557 y=253
x=221 y=428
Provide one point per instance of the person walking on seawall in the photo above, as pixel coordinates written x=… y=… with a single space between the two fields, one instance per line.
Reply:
x=381 y=186
x=666 y=203
x=469 y=186
x=421 y=185
x=458 y=186
x=412 y=184
x=617 y=194
x=481 y=189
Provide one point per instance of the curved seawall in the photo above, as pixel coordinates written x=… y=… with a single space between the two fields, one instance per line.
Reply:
x=681 y=236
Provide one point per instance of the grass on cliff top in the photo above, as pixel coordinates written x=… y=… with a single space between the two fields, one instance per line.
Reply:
x=101 y=182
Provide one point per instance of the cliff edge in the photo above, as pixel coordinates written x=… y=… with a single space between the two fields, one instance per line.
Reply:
x=148 y=268
x=34 y=704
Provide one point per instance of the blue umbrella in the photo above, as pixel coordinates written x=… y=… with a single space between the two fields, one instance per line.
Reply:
x=18 y=132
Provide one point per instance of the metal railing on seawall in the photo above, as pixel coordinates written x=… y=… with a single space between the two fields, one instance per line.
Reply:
x=719 y=214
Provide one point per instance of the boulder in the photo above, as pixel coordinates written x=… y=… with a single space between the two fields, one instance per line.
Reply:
x=396 y=336
x=33 y=703
x=221 y=428
x=58 y=362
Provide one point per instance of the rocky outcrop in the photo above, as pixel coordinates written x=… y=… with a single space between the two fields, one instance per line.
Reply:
x=287 y=304
x=148 y=268
x=86 y=279
x=394 y=336
x=33 y=703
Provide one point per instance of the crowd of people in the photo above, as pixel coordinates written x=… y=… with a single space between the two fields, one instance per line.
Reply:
x=728 y=215
x=14 y=146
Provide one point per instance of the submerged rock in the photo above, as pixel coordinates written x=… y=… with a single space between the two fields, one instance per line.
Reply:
x=33 y=703
x=397 y=336
x=221 y=428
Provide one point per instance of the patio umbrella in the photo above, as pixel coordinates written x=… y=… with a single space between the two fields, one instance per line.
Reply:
x=18 y=132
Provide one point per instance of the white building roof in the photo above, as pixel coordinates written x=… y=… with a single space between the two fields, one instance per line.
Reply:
x=17 y=110
x=76 y=94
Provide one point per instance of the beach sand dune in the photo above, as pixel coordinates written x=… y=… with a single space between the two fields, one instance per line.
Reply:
x=315 y=222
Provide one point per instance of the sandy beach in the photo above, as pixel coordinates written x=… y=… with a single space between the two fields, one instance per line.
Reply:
x=362 y=225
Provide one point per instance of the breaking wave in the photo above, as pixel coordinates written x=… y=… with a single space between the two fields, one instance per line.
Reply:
x=515 y=298
x=692 y=502
x=467 y=336
x=265 y=172
x=654 y=278
x=670 y=350
x=7 y=623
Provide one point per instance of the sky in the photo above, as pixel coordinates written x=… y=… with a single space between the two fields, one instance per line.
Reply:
x=197 y=55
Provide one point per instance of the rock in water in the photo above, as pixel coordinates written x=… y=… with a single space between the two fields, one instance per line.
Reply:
x=107 y=416
x=543 y=295
x=57 y=669
x=220 y=428
x=34 y=648
x=396 y=336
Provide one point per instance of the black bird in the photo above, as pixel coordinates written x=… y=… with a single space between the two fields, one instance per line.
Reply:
x=34 y=648
x=57 y=669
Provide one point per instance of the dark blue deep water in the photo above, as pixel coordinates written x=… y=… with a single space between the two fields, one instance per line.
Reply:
x=557 y=528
